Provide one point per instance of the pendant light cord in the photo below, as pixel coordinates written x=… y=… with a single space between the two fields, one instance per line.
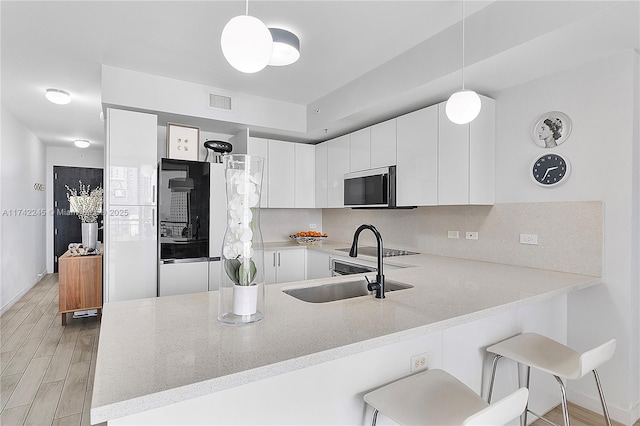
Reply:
x=246 y=12
x=462 y=44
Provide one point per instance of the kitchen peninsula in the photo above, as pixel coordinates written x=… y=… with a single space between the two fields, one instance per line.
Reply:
x=168 y=360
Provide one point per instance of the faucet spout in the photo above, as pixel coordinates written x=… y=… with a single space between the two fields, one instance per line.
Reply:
x=378 y=285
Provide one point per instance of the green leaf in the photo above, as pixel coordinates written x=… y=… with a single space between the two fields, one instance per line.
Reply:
x=231 y=267
x=246 y=277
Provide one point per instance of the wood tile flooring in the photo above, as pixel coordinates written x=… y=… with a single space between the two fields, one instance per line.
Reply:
x=46 y=370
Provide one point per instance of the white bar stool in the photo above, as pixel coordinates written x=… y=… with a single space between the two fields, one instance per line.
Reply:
x=435 y=397
x=542 y=353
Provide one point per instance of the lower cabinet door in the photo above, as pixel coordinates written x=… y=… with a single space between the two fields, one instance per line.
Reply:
x=291 y=265
x=270 y=265
x=215 y=271
x=183 y=278
x=318 y=264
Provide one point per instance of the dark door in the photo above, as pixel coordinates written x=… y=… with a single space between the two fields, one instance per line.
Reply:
x=67 y=226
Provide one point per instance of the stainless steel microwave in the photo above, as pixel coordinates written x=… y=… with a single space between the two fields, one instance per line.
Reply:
x=373 y=188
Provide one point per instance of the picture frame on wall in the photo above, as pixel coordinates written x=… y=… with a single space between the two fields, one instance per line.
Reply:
x=551 y=129
x=182 y=142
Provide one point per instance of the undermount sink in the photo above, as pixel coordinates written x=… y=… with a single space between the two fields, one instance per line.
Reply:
x=340 y=290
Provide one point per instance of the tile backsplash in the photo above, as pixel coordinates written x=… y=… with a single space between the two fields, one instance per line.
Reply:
x=569 y=233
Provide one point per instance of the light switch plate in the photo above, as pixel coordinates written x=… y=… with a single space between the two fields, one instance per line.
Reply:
x=453 y=234
x=471 y=235
x=531 y=239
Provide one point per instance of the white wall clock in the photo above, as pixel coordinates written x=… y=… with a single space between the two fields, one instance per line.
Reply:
x=551 y=129
x=550 y=170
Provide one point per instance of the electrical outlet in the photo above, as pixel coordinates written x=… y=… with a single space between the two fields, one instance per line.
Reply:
x=453 y=234
x=312 y=226
x=471 y=235
x=531 y=239
x=419 y=362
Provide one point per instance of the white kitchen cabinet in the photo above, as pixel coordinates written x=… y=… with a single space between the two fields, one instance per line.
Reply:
x=183 y=278
x=383 y=144
x=318 y=264
x=304 y=175
x=360 y=150
x=466 y=159
x=132 y=157
x=131 y=253
x=482 y=155
x=260 y=148
x=417 y=161
x=215 y=271
x=281 y=174
x=130 y=228
x=338 y=163
x=282 y=266
x=321 y=181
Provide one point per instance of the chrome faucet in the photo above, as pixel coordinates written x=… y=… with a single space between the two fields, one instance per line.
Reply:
x=378 y=285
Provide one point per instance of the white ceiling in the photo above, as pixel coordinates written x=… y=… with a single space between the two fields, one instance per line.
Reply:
x=363 y=52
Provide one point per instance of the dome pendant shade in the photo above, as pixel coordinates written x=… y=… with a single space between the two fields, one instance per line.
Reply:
x=286 y=47
x=463 y=106
x=246 y=44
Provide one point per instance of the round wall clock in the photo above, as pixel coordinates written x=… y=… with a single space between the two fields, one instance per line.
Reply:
x=551 y=129
x=550 y=170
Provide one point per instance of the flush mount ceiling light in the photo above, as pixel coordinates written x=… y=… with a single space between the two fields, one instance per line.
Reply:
x=246 y=43
x=58 y=96
x=81 y=143
x=464 y=105
x=286 y=47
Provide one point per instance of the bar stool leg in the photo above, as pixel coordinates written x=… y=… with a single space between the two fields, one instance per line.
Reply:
x=565 y=408
x=493 y=376
x=374 y=418
x=523 y=418
x=604 y=404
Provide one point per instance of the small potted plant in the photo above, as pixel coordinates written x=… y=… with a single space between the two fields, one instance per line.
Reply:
x=87 y=204
x=242 y=285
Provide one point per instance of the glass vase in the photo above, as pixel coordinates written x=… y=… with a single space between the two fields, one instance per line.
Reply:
x=242 y=291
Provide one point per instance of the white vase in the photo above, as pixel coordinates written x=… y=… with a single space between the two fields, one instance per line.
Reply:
x=89 y=235
x=245 y=299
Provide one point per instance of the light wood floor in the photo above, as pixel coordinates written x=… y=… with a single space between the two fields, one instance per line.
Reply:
x=46 y=370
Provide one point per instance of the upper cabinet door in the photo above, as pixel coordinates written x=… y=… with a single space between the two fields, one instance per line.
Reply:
x=305 y=175
x=383 y=144
x=260 y=148
x=417 y=162
x=453 y=164
x=281 y=174
x=482 y=155
x=321 y=175
x=132 y=147
x=360 y=150
x=338 y=164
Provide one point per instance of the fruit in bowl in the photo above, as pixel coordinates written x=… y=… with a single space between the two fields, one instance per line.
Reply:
x=308 y=237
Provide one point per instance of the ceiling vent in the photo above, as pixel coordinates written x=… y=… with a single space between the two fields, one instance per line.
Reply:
x=219 y=101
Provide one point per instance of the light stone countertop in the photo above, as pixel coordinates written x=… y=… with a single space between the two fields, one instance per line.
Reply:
x=158 y=351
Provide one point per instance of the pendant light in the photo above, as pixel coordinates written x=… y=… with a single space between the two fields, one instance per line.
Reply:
x=246 y=43
x=286 y=47
x=464 y=105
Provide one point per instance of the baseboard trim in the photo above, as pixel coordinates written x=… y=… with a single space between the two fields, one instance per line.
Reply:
x=626 y=417
x=24 y=291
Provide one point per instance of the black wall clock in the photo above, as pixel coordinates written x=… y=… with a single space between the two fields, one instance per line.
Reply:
x=550 y=170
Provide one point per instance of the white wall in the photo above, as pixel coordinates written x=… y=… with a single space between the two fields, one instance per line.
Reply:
x=72 y=157
x=23 y=233
x=599 y=98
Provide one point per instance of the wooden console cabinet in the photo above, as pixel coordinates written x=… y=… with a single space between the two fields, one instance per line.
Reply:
x=80 y=281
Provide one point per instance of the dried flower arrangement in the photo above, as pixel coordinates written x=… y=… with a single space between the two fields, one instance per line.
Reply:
x=87 y=203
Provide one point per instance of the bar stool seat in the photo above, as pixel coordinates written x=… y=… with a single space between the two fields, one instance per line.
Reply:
x=547 y=355
x=435 y=397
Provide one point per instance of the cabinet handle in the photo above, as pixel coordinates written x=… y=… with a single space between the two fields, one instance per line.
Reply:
x=153 y=217
x=278 y=258
x=153 y=194
x=274 y=259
